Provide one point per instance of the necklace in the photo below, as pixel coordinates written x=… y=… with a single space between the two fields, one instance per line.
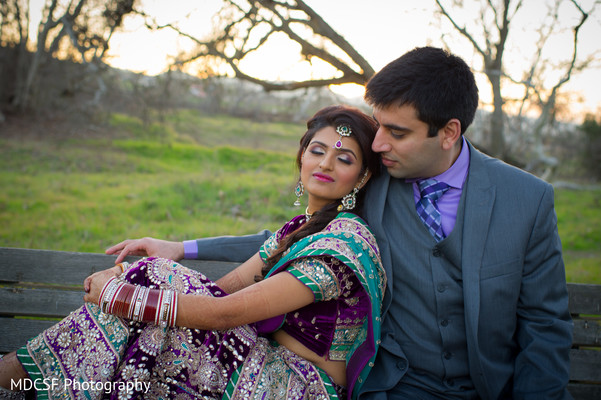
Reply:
x=307 y=215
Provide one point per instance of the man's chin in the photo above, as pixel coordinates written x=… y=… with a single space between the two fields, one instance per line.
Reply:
x=395 y=172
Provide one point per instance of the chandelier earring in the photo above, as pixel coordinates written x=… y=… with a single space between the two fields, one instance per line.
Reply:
x=298 y=192
x=349 y=201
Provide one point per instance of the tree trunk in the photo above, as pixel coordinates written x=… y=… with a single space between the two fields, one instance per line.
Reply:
x=497 y=125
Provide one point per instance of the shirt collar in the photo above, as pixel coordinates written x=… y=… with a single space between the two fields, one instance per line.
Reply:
x=455 y=175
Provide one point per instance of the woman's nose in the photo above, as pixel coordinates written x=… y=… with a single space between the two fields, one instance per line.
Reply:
x=327 y=161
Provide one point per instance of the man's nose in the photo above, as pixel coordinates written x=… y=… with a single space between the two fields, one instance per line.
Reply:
x=380 y=144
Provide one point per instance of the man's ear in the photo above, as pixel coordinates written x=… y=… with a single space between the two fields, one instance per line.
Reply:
x=450 y=134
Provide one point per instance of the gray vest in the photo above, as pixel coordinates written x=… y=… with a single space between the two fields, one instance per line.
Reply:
x=426 y=313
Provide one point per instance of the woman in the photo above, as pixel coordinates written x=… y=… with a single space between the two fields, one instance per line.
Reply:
x=300 y=319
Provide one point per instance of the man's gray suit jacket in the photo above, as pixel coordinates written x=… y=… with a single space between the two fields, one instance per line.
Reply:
x=518 y=326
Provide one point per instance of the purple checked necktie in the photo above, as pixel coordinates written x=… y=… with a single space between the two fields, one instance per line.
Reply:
x=430 y=191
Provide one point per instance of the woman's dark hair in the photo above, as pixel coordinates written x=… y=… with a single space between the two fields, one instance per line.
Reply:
x=363 y=129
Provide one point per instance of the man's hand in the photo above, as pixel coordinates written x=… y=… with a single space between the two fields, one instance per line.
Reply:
x=147 y=247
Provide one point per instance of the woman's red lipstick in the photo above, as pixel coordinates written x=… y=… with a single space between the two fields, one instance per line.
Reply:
x=323 y=177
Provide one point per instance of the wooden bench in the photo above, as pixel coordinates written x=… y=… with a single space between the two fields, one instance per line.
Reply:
x=38 y=287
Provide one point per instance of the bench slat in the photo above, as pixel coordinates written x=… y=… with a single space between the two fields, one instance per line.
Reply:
x=584 y=391
x=584 y=298
x=71 y=268
x=14 y=333
x=584 y=365
x=587 y=332
x=39 y=302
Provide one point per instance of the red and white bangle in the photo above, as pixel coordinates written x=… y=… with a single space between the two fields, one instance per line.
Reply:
x=139 y=303
x=167 y=309
x=107 y=294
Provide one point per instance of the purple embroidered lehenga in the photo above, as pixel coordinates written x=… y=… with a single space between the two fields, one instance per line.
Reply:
x=94 y=355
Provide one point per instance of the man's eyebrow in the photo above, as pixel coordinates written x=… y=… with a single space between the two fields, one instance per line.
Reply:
x=392 y=127
x=398 y=128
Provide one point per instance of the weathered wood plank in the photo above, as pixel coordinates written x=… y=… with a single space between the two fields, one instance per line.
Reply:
x=587 y=332
x=14 y=333
x=584 y=298
x=585 y=365
x=39 y=302
x=584 y=391
x=71 y=268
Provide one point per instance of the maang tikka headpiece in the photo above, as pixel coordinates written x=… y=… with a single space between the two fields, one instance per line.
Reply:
x=342 y=130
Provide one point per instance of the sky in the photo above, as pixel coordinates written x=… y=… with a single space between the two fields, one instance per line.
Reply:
x=380 y=30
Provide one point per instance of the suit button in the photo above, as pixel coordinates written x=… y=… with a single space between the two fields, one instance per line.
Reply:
x=402 y=365
x=444 y=322
x=436 y=252
x=441 y=287
x=447 y=355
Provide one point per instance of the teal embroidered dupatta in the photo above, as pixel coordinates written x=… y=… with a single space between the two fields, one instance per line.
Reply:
x=349 y=240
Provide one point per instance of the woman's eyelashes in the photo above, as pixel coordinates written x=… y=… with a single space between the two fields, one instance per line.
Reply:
x=346 y=159
x=317 y=150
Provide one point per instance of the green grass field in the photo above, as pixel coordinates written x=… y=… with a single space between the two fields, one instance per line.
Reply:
x=190 y=177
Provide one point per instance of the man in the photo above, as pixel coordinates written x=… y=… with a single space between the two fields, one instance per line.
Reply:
x=476 y=304
x=483 y=311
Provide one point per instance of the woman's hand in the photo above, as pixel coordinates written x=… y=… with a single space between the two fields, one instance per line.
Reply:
x=94 y=283
x=147 y=247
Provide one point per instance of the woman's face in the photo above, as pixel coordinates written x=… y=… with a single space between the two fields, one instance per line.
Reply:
x=328 y=173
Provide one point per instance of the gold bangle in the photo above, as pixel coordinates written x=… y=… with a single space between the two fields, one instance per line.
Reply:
x=120 y=265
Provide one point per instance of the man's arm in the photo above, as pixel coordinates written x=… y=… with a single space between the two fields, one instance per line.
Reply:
x=544 y=330
x=225 y=248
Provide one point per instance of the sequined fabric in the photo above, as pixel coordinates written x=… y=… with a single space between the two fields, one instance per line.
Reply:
x=93 y=355
x=92 y=348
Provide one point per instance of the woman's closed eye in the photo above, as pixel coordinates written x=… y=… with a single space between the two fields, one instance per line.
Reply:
x=317 y=150
x=346 y=159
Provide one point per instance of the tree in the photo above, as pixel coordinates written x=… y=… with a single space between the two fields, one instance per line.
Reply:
x=246 y=26
x=489 y=33
x=14 y=35
x=592 y=149
x=79 y=31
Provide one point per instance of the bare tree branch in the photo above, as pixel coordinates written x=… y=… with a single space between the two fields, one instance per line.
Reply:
x=248 y=26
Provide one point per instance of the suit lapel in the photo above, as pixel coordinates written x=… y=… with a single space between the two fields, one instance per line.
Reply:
x=480 y=197
x=375 y=205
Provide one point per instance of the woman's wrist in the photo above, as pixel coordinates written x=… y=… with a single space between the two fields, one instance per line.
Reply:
x=139 y=303
x=121 y=267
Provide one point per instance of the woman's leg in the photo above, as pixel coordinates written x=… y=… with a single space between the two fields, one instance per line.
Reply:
x=11 y=371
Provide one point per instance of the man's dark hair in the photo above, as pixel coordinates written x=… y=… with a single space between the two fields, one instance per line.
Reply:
x=438 y=84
